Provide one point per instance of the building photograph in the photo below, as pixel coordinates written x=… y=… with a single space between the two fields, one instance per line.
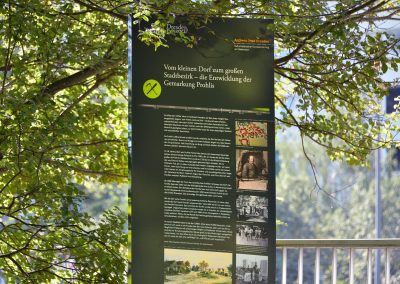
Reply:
x=251 y=269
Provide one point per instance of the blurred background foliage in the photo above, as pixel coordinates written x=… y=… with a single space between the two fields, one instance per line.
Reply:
x=343 y=209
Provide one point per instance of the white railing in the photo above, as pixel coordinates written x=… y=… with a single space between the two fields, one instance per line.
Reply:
x=351 y=245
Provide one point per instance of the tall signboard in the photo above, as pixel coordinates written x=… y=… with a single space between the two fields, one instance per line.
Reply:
x=203 y=163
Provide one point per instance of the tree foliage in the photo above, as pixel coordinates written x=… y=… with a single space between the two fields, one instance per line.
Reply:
x=63 y=120
x=330 y=57
x=63 y=114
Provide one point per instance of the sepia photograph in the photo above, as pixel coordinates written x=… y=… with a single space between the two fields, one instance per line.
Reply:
x=251 y=170
x=192 y=266
x=251 y=235
x=252 y=208
x=251 y=269
x=251 y=133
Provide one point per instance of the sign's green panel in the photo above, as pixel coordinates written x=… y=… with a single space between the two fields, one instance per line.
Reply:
x=202 y=153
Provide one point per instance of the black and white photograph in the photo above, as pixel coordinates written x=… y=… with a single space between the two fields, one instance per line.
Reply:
x=251 y=170
x=252 y=208
x=251 y=269
x=251 y=235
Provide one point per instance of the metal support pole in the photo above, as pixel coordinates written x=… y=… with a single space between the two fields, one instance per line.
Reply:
x=378 y=214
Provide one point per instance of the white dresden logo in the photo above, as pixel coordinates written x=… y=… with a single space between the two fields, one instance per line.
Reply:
x=177 y=29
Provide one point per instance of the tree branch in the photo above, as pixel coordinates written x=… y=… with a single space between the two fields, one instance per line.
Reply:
x=86 y=171
x=92 y=143
x=92 y=6
x=78 y=77
x=83 y=96
x=327 y=25
x=24 y=247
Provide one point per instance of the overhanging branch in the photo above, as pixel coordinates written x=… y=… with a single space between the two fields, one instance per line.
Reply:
x=78 y=77
x=328 y=25
x=92 y=6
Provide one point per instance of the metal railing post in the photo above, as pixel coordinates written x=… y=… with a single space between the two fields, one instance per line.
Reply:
x=387 y=266
x=300 y=266
x=317 y=265
x=284 y=261
x=369 y=269
x=351 y=265
x=334 y=266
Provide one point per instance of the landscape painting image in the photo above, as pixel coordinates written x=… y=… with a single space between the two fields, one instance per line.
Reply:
x=191 y=266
